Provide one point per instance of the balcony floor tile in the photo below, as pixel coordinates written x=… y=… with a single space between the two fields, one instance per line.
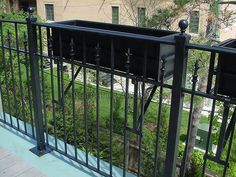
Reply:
x=17 y=160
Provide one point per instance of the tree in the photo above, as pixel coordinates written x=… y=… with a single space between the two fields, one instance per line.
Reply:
x=163 y=18
x=198 y=107
x=131 y=8
x=10 y=72
x=212 y=27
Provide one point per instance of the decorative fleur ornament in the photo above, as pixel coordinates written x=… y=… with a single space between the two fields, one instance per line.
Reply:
x=128 y=56
x=72 y=51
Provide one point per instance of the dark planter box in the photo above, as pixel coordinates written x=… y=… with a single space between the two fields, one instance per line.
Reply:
x=121 y=44
x=227 y=70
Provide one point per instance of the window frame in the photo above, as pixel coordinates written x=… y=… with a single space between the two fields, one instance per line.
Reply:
x=118 y=14
x=46 y=12
x=141 y=22
x=194 y=18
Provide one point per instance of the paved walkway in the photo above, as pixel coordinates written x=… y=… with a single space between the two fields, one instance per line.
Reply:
x=12 y=166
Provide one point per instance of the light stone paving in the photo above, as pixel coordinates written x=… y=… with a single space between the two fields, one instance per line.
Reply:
x=13 y=166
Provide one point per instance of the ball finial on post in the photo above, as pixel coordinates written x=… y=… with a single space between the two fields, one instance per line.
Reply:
x=31 y=17
x=183 y=25
x=30 y=10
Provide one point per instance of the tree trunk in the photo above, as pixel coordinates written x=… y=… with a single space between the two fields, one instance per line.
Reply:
x=198 y=106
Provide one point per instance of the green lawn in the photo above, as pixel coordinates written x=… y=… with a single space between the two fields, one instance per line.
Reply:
x=150 y=117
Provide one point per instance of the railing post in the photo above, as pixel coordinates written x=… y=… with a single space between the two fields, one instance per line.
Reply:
x=176 y=101
x=40 y=149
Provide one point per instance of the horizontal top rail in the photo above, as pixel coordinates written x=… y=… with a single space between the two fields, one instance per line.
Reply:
x=217 y=49
x=13 y=21
x=118 y=27
x=107 y=32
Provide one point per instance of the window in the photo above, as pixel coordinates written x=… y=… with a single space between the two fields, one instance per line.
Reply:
x=194 y=22
x=141 y=16
x=49 y=12
x=115 y=15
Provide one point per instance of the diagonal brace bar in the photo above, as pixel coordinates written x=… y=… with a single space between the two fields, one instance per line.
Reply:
x=70 y=84
x=230 y=128
x=220 y=145
x=146 y=105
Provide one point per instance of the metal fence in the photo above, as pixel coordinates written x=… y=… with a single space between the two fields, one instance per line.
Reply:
x=61 y=111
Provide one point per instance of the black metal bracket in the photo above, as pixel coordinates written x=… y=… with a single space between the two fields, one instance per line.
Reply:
x=224 y=135
x=221 y=140
x=211 y=72
x=230 y=128
x=215 y=159
x=147 y=103
x=70 y=84
x=135 y=105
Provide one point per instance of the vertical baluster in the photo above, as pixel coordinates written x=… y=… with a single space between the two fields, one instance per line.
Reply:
x=111 y=104
x=72 y=55
x=85 y=100
x=97 y=58
x=63 y=95
x=162 y=74
x=12 y=77
x=28 y=82
x=135 y=106
x=2 y=105
x=194 y=81
x=50 y=55
x=142 y=109
x=221 y=139
x=43 y=82
x=59 y=74
x=20 y=79
x=5 y=77
x=230 y=144
x=127 y=66
x=211 y=72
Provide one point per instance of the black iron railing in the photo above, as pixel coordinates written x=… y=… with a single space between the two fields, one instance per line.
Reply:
x=57 y=105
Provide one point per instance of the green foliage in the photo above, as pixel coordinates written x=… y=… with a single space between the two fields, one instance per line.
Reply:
x=2 y=7
x=10 y=27
x=196 y=162
x=162 y=18
x=214 y=8
x=181 y=3
x=21 y=15
x=118 y=118
x=11 y=63
x=195 y=165
x=149 y=144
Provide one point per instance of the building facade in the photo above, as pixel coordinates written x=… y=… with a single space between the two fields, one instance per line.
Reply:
x=123 y=12
x=116 y=11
